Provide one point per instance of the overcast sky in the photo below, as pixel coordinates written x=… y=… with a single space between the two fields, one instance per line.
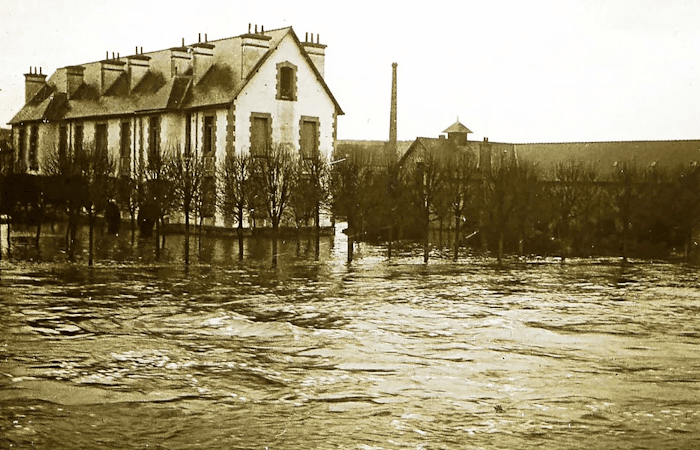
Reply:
x=515 y=71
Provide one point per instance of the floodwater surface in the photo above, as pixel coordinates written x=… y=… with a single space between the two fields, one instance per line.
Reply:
x=319 y=354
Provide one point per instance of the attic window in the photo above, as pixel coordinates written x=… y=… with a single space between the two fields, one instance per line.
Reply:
x=286 y=81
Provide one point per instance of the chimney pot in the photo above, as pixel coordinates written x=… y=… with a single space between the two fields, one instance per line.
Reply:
x=199 y=37
x=318 y=38
x=249 y=28
x=262 y=28
x=312 y=37
x=486 y=139
x=205 y=38
x=142 y=50
x=183 y=42
x=40 y=71
x=306 y=37
x=256 y=28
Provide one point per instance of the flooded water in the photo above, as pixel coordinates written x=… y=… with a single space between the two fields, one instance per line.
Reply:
x=228 y=354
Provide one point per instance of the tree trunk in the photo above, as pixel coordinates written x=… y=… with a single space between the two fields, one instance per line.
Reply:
x=275 y=229
x=38 y=225
x=350 y=232
x=317 y=219
x=71 y=234
x=500 y=248
x=187 y=236
x=91 y=220
x=240 y=236
x=426 y=244
x=391 y=239
x=157 y=239
x=133 y=225
x=625 y=228
x=521 y=243
x=457 y=223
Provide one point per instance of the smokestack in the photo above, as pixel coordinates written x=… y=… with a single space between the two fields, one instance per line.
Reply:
x=392 y=116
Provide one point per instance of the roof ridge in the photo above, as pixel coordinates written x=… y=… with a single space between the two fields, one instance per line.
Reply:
x=606 y=142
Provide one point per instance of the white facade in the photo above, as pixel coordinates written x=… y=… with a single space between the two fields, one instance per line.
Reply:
x=219 y=86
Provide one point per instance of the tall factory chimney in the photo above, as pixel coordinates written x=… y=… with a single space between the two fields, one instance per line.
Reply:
x=392 y=115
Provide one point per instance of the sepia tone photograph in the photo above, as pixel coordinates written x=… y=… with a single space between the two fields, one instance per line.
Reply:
x=355 y=225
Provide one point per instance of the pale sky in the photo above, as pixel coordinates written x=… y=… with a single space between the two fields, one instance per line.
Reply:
x=515 y=71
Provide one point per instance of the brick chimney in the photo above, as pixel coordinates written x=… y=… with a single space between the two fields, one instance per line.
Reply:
x=393 y=112
x=33 y=82
x=316 y=51
x=111 y=69
x=74 y=79
x=180 y=59
x=202 y=59
x=485 y=157
x=137 y=66
x=253 y=47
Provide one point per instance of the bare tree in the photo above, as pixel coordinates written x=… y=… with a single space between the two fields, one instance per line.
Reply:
x=89 y=176
x=158 y=191
x=311 y=193
x=275 y=178
x=527 y=201
x=425 y=181
x=686 y=204
x=571 y=193
x=350 y=173
x=461 y=171
x=235 y=180
x=501 y=184
x=186 y=171
x=625 y=191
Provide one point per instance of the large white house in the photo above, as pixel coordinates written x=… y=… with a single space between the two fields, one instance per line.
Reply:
x=238 y=94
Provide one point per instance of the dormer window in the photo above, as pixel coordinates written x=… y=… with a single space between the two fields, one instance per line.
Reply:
x=286 y=81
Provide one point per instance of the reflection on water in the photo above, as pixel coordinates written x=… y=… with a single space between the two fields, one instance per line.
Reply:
x=318 y=354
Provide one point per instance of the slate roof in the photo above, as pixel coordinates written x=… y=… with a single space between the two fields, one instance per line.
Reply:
x=667 y=155
x=220 y=85
x=457 y=127
x=438 y=147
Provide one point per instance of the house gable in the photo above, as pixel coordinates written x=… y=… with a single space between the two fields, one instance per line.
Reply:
x=308 y=96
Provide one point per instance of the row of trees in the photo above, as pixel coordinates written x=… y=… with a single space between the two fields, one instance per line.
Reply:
x=275 y=187
x=511 y=205
x=505 y=206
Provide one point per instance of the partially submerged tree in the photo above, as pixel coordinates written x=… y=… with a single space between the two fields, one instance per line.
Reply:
x=87 y=175
x=571 y=194
x=461 y=174
x=501 y=184
x=235 y=180
x=625 y=190
x=424 y=180
x=186 y=171
x=274 y=178
x=686 y=205
x=350 y=173
x=158 y=191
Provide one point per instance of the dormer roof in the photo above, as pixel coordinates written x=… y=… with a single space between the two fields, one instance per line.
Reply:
x=159 y=89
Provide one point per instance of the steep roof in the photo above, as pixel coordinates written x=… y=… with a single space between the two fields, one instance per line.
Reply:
x=158 y=90
x=438 y=147
x=457 y=127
